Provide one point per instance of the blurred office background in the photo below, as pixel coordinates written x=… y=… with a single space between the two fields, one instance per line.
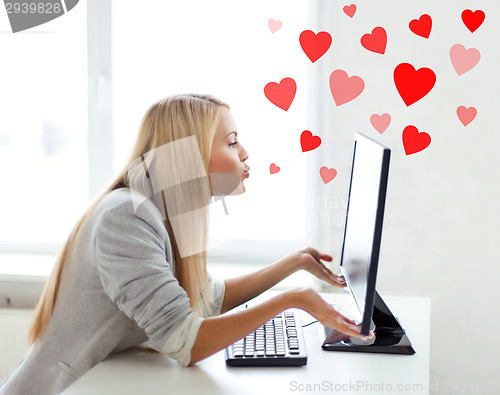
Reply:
x=73 y=92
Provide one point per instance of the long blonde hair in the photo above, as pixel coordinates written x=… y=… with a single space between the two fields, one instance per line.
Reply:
x=168 y=120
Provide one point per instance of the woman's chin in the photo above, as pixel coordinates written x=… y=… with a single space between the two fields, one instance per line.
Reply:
x=226 y=184
x=240 y=189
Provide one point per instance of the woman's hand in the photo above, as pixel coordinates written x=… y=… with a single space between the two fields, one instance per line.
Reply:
x=310 y=259
x=309 y=300
x=243 y=288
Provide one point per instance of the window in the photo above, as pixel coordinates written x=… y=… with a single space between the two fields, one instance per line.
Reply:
x=58 y=108
x=226 y=49
x=43 y=157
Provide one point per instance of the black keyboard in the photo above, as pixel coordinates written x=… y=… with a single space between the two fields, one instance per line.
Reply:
x=280 y=342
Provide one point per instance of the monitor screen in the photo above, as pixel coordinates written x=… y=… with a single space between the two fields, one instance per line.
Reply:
x=363 y=225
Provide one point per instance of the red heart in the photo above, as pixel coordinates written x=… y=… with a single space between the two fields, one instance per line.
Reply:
x=414 y=141
x=281 y=94
x=422 y=26
x=273 y=169
x=412 y=84
x=327 y=174
x=349 y=10
x=376 y=41
x=309 y=142
x=473 y=19
x=315 y=45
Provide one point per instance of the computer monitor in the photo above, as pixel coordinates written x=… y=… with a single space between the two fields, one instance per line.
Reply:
x=363 y=225
x=360 y=253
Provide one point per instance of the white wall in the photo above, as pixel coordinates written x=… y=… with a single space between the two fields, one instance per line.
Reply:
x=440 y=236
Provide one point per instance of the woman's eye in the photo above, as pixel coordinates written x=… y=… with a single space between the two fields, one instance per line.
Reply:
x=233 y=144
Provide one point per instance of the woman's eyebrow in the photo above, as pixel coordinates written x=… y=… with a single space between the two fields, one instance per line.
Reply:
x=235 y=133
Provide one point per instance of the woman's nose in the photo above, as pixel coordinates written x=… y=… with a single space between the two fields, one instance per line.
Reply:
x=244 y=154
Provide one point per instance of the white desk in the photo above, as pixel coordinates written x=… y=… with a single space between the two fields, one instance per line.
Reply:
x=138 y=372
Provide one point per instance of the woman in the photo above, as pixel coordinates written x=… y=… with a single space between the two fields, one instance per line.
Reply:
x=133 y=269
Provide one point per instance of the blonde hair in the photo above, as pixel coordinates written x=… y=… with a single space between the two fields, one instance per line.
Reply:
x=168 y=120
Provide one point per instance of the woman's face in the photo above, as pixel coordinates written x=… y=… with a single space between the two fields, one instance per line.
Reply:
x=227 y=165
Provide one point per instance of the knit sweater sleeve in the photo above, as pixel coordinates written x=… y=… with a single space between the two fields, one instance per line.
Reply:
x=218 y=287
x=131 y=257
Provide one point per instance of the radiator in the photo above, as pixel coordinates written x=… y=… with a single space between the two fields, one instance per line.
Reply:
x=14 y=324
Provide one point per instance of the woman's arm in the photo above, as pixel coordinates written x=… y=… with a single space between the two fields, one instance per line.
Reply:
x=241 y=289
x=216 y=333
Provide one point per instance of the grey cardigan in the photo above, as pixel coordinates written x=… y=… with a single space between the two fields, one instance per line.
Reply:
x=116 y=291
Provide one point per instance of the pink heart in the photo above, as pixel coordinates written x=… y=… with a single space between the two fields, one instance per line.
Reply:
x=345 y=88
x=327 y=174
x=380 y=122
x=349 y=10
x=463 y=59
x=274 y=169
x=274 y=26
x=466 y=115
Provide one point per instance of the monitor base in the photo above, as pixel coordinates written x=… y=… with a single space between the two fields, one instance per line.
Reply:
x=390 y=337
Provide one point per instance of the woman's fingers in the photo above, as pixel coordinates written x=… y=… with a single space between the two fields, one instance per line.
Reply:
x=324 y=268
x=349 y=321
x=338 y=280
x=351 y=330
x=324 y=312
x=314 y=262
x=346 y=325
x=356 y=328
x=317 y=255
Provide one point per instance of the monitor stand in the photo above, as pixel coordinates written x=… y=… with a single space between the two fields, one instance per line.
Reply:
x=390 y=337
